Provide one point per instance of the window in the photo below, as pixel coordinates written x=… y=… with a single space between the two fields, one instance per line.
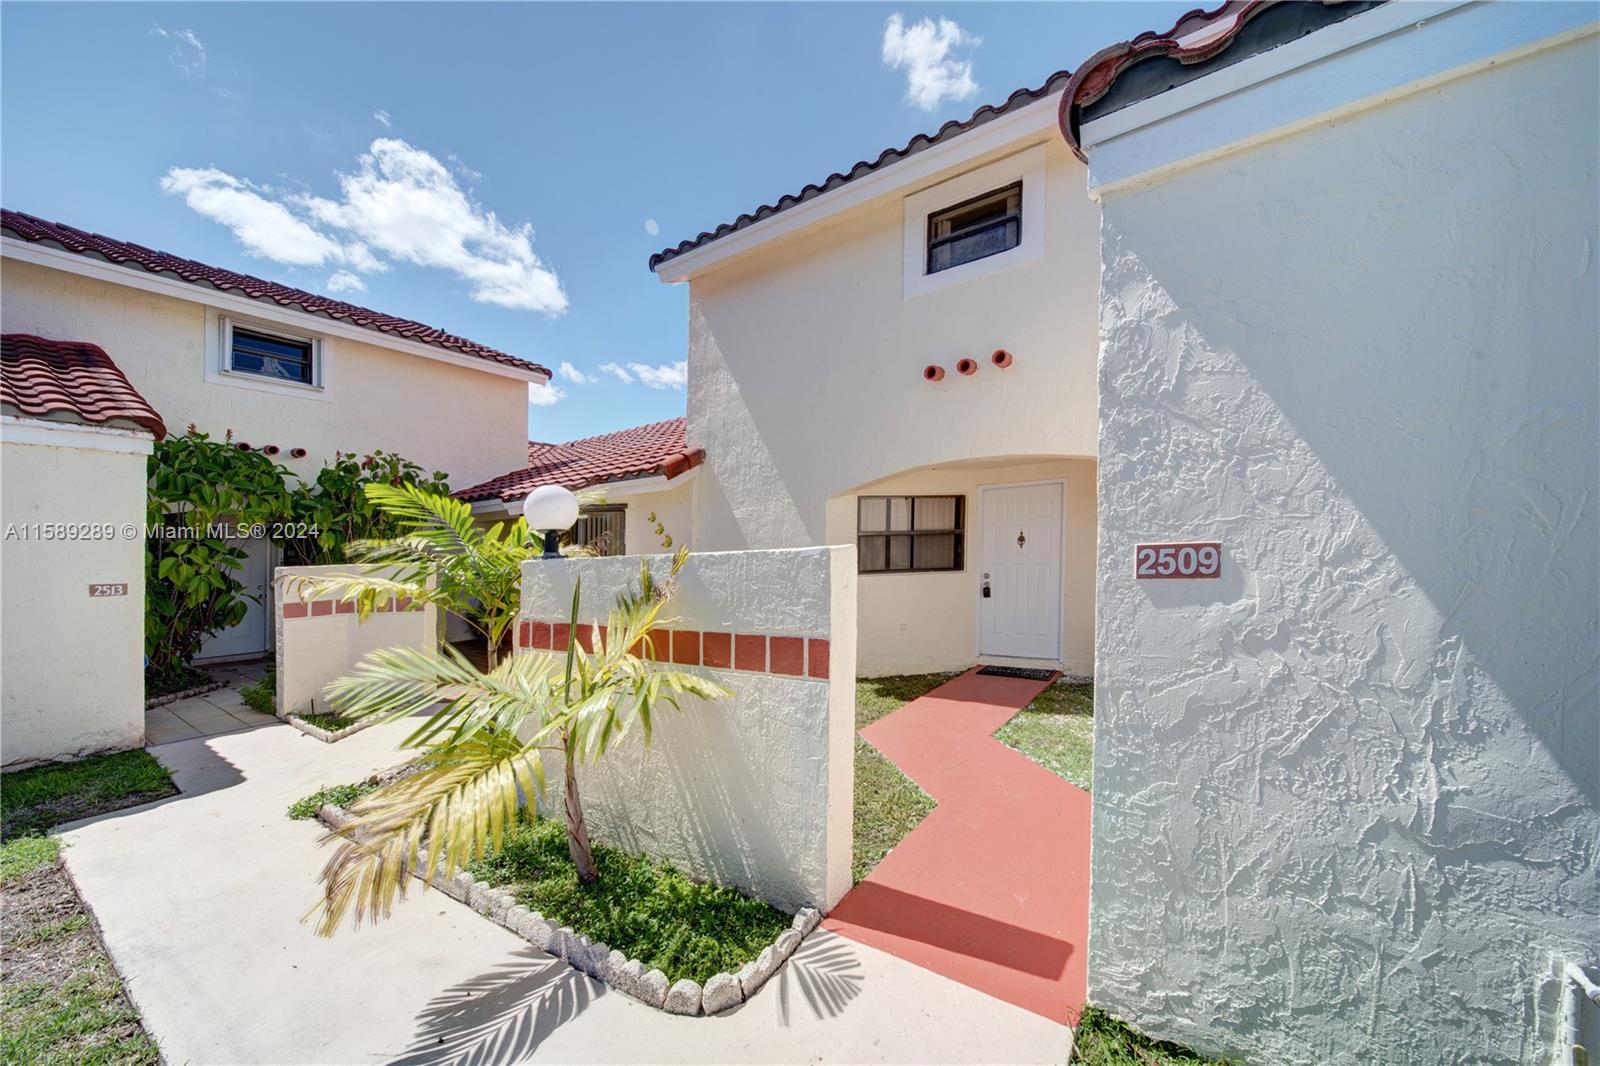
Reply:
x=975 y=229
x=601 y=529
x=909 y=533
x=273 y=357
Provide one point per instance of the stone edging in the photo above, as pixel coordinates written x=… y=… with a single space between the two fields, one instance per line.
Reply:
x=613 y=968
x=324 y=735
x=183 y=694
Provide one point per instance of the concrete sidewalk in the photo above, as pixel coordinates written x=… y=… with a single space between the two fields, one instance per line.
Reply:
x=200 y=897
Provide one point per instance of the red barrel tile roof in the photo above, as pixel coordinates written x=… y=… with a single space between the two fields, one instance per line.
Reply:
x=41 y=231
x=42 y=377
x=661 y=448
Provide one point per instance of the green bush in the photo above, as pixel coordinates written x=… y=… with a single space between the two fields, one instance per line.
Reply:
x=262 y=696
x=336 y=505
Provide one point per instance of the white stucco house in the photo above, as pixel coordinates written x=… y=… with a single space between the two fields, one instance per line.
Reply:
x=1347 y=794
x=901 y=358
x=291 y=373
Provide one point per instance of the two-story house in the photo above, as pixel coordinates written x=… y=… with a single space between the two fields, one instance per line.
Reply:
x=902 y=357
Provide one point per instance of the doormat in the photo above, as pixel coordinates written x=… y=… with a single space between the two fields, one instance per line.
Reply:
x=1025 y=673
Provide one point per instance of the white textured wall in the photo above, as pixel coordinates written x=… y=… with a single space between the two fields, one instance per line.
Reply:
x=471 y=425
x=1346 y=798
x=916 y=623
x=805 y=362
x=756 y=790
x=325 y=644
x=73 y=667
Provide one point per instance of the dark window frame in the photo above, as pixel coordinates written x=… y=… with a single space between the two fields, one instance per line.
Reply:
x=584 y=513
x=311 y=375
x=1007 y=220
x=912 y=533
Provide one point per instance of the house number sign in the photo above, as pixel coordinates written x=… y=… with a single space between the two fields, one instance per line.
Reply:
x=118 y=589
x=1192 y=560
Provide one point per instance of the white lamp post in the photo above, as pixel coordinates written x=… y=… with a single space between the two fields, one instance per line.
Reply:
x=552 y=510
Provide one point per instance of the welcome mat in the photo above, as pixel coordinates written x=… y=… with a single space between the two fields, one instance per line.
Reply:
x=1025 y=673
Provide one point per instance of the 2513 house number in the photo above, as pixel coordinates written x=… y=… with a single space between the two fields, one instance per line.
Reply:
x=1177 y=560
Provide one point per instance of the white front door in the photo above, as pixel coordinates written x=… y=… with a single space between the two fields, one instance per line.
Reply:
x=249 y=637
x=1020 y=580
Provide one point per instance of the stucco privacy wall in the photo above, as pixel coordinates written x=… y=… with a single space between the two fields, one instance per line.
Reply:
x=469 y=424
x=321 y=639
x=913 y=623
x=1346 y=797
x=754 y=790
x=806 y=356
x=73 y=665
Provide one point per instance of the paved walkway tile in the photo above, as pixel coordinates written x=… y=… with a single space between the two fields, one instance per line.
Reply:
x=992 y=888
x=200 y=899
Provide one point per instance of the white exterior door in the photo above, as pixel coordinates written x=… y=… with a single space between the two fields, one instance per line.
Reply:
x=1020 y=579
x=249 y=637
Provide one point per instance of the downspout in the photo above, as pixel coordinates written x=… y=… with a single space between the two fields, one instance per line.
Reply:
x=1575 y=987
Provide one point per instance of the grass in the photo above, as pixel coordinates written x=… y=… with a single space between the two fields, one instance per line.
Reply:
x=32 y=801
x=1056 y=731
x=643 y=908
x=262 y=695
x=338 y=795
x=1101 y=1040
x=331 y=722
x=888 y=804
x=61 y=1001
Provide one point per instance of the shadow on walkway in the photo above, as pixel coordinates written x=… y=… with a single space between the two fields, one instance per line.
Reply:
x=503 y=1015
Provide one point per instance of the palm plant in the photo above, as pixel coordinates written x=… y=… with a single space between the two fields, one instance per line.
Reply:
x=480 y=763
x=441 y=557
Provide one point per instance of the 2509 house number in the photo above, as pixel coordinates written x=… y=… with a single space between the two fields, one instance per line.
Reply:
x=1177 y=561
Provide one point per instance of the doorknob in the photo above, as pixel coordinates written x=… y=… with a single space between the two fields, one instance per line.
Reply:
x=1022 y=538
x=985 y=586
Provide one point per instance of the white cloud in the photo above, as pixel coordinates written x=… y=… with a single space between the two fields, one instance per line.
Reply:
x=404 y=203
x=400 y=203
x=382 y=116
x=545 y=395
x=652 y=227
x=924 y=51
x=617 y=372
x=344 y=281
x=573 y=374
x=665 y=376
x=188 y=53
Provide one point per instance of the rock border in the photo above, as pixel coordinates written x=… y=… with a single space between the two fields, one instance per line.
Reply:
x=324 y=735
x=183 y=694
x=612 y=968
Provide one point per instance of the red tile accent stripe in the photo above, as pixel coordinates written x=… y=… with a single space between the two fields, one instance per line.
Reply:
x=789 y=656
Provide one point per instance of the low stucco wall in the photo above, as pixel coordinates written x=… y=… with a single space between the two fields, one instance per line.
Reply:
x=919 y=623
x=73 y=665
x=1347 y=798
x=753 y=791
x=319 y=640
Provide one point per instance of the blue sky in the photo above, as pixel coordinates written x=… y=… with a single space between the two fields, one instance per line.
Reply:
x=501 y=170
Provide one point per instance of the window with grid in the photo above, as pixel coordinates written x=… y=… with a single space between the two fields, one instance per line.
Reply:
x=600 y=529
x=291 y=359
x=906 y=534
x=975 y=229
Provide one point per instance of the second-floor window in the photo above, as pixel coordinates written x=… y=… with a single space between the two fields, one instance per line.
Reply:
x=275 y=357
x=975 y=229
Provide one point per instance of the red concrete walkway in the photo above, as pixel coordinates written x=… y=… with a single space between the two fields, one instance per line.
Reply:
x=992 y=889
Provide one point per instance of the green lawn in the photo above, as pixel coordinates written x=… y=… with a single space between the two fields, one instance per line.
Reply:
x=1101 y=1040
x=643 y=908
x=888 y=804
x=1056 y=731
x=61 y=1001
x=32 y=801
x=338 y=795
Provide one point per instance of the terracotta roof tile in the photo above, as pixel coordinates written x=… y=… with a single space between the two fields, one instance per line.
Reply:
x=42 y=377
x=888 y=157
x=38 y=230
x=661 y=448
